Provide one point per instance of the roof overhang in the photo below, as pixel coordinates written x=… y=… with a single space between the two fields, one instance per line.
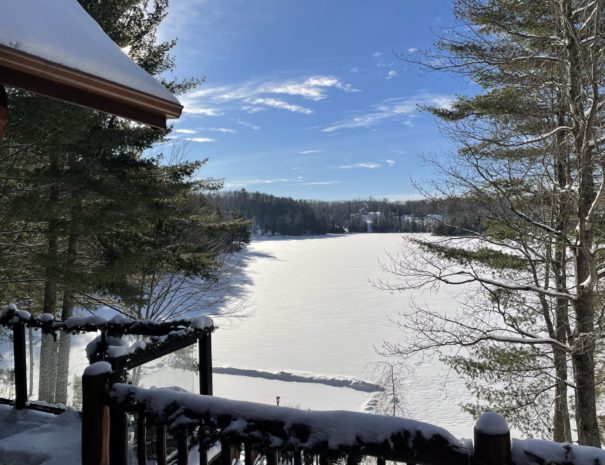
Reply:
x=31 y=73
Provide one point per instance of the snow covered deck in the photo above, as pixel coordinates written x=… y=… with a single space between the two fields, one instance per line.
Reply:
x=56 y=49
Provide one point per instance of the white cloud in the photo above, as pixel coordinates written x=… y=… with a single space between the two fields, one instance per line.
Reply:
x=354 y=69
x=248 y=182
x=247 y=124
x=311 y=151
x=392 y=74
x=412 y=50
x=276 y=103
x=390 y=162
x=313 y=88
x=200 y=140
x=223 y=130
x=377 y=54
x=193 y=110
x=322 y=183
x=368 y=165
x=255 y=94
x=185 y=131
x=398 y=109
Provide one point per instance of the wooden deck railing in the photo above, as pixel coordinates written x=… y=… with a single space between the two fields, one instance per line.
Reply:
x=279 y=434
x=252 y=433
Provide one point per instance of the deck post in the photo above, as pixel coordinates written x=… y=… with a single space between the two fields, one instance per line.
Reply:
x=20 y=357
x=492 y=440
x=95 y=414
x=205 y=364
x=205 y=374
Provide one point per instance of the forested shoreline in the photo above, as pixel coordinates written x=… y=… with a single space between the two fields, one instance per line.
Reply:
x=271 y=215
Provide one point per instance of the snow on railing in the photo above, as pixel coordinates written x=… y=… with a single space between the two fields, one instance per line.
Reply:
x=118 y=325
x=332 y=433
x=164 y=337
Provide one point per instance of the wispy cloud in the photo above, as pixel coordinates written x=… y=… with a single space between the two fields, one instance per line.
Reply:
x=257 y=95
x=412 y=50
x=247 y=124
x=322 y=183
x=390 y=162
x=192 y=109
x=311 y=151
x=255 y=181
x=200 y=140
x=258 y=103
x=388 y=110
x=354 y=69
x=223 y=130
x=392 y=74
x=185 y=131
x=368 y=165
x=313 y=88
x=377 y=54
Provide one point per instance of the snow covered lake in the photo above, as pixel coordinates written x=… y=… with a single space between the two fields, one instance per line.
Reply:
x=310 y=334
x=312 y=308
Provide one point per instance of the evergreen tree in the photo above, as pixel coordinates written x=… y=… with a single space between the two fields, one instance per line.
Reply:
x=527 y=155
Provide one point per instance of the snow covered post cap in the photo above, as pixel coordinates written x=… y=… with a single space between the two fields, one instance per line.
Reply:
x=95 y=414
x=492 y=440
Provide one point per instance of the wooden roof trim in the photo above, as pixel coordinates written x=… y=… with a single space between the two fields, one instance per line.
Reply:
x=29 y=72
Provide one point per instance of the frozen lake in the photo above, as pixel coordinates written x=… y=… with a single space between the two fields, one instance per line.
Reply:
x=312 y=308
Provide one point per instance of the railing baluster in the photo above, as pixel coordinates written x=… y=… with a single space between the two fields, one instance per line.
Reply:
x=353 y=458
x=272 y=458
x=118 y=437
x=182 y=447
x=248 y=460
x=160 y=445
x=225 y=453
x=20 y=365
x=297 y=454
x=141 y=439
x=202 y=447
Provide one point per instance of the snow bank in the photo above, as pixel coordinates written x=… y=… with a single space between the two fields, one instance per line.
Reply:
x=301 y=377
x=310 y=430
x=540 y=452
x=33 y=438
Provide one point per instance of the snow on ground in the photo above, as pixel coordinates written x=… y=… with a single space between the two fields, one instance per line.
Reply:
x=302 y=377
x=313 y=309
x=31 y=438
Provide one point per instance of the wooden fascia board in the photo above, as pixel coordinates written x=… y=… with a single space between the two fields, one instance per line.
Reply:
x=35 y=74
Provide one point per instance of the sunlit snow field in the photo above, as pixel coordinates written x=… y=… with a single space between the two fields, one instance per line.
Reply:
x=311 y=307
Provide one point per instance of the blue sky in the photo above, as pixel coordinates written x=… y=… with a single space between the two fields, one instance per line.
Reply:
x=306 y=98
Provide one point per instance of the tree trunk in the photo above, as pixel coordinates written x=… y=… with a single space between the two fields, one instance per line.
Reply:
x=48 y=346
x=67 y=311
x=585 y=267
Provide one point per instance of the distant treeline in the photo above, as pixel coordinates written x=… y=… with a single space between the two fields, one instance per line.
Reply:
x=271 y=215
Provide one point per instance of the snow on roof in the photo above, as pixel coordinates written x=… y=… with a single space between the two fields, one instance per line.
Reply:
x=62 y=32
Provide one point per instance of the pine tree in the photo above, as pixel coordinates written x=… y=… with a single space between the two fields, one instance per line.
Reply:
x=527 y=155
